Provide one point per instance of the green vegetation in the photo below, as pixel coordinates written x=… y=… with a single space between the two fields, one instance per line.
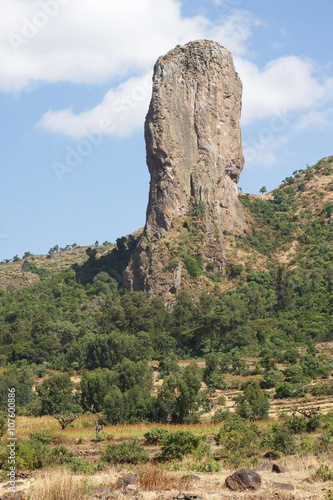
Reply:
x=130 y=452
x=257 y=338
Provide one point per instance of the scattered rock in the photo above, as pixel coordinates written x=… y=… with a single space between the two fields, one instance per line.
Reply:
x=270 y=455
x=18 y=495
x=278 y=469
x=24 y=475
x=126 y=479
x=191 y=477
x=264 y=465
x=103 y=493
x=192 y=496
x=17 y=483
x=284 y=486
x=131 y=489
x=243 y=479
x=188 y=496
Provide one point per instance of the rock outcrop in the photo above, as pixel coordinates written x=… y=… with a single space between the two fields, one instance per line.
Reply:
x=194 y=156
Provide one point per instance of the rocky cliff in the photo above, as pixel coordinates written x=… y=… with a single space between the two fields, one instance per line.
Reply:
x=194 y=156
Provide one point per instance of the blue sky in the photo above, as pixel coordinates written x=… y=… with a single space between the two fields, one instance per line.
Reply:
x=75 y=84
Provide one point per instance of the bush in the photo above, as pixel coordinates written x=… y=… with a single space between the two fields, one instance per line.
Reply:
x=130 y=452
x=3 y=423
x=297 y=425
x=156 y=435
x=220 y=415
x=324 y=473
x=29 y=455
x=253 y=404
x=322 y=390
x=42 y=437
x=272 y=378
x=178 y=444
x=280 y=439
x=60 y=455
x=287 y=390
x=193 y=265
x=294 y=374
x=222 y=400
x=237 y=437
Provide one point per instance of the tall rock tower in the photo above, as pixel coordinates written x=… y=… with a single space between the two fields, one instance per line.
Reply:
x=194 y=156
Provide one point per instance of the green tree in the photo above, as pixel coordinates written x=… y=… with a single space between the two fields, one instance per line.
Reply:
x=94 y=387
x=253 y=404
x=56 y=395
x=21 y=381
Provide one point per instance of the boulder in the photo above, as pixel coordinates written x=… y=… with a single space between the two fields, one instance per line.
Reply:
x=243 y=479
x=278 y=469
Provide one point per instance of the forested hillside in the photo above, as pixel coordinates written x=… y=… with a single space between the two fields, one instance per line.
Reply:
x=277 y=292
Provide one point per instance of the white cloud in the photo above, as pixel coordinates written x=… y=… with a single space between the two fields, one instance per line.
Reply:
x=317 y=118
x=81 y=41
x=264 y=149
x=285 y=85
x=123 y=108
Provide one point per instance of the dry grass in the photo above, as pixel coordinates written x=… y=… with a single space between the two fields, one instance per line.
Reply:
x=27 y=425
x=154 y=477
x=59 y=485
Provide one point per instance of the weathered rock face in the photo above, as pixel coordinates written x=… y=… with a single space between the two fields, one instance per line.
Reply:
x=194 y=153
x=193 y=137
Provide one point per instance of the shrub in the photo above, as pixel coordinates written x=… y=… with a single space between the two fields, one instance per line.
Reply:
x=3 y=423
x=297 y=425
x=220 y=415
x=60 y=455
x=272 y=378
x=178 y=444
x=237 y=437
x=280 y=439
x=222 y=400
x=324 y=473
x=29 y=455
x=131 y=452
x=42 y=437
x=287 y=390
x=322 y=390
x=205 y=466
x=193 y=265
x=156 y=435
x=294 y=374
x=253 y=404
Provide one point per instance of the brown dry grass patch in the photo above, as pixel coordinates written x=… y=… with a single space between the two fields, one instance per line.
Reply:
x=154 y=477
x=59 y=485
